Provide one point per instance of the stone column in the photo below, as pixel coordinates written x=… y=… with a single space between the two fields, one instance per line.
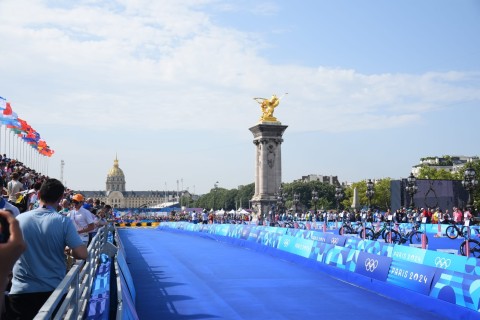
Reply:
x=268 y=165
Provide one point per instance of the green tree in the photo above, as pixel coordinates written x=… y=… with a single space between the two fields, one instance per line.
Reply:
x=221 y=198
x=382 y=193
x=326 y=195
x=428 y=172
x=460 y=176
x=381 y=198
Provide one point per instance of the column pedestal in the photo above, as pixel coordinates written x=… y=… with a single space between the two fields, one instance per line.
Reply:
x=268 y=166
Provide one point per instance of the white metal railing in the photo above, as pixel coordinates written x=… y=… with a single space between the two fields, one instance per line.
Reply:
x=72 y=294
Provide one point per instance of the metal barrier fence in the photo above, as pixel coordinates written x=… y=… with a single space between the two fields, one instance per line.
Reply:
x=71 y=296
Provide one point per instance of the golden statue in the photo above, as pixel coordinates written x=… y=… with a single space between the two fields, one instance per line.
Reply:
x=268 y=106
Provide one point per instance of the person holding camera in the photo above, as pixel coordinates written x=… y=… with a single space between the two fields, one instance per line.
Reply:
x=12 y=246
x=41 y=268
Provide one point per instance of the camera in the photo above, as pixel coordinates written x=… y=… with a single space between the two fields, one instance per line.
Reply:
x=4 y=230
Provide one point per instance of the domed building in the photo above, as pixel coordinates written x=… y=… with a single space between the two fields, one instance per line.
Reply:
x=115 y=193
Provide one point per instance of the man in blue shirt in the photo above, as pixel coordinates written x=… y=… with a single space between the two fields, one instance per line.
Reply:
x=42 y=267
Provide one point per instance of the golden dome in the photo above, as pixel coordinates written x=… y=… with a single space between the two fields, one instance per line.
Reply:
x=115 y=171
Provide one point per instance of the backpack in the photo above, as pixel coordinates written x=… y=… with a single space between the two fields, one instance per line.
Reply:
x=22 y=203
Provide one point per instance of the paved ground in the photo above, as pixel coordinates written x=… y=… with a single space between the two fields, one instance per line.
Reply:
x=181 y=276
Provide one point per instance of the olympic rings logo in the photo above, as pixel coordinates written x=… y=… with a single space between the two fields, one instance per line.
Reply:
x=334 y=240
x=442 y=262
x=286 y=242
x=371 y=264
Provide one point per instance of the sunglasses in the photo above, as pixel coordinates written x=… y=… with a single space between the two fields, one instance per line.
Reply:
x=75 y=202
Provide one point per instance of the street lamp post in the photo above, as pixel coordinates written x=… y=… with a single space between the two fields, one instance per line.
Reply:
x=469 y=183
x=338 y=196
x=411 y=188
x=215 y=187
x=280 y=201
x=315 y=200
x=296 y=199
x=370 y=192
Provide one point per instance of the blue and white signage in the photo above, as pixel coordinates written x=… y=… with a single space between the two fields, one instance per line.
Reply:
x=373 y=266
x=409 y=254
x=413 y=276
x=298 y=246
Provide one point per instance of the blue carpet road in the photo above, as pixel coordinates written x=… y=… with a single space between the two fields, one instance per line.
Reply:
x=182 y=276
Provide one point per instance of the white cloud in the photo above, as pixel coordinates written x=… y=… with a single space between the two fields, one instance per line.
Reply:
x=164 y=65
x=167 y=59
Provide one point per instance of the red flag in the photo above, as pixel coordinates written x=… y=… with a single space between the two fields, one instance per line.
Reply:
x=8 y=110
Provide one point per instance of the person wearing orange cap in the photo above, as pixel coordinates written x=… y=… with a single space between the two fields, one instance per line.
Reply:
x=81 y=217
x=41 y=268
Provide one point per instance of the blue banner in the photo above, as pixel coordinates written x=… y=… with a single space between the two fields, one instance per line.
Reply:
x=409 y=254
x=246 y=231
x=342 y=258
x=234 y=231
x=411 y=275
x=352 y=242
x=269 y=238
x=472 y=266
x=299 y=233
x=125 y=272
x=458 y=288
x=296 y=246
x=253 y=235
x=222 y=229
x=336 y=239
x=376 y=247
x=373 y=266
x=316 y=236
x=445 y=261
x=320 y=251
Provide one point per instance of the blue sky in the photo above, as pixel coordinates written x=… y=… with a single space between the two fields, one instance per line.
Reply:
x=168 y=86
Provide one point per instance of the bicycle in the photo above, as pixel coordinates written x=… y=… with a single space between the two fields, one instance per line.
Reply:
x=284 y=224
x=348 y=228
x=473 y=245
x=453 y=231
x=371 y=234
x=413 y=236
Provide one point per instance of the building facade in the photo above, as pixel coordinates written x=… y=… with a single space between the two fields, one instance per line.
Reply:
x=116 y=195
x=448 y=163
x=333 y=180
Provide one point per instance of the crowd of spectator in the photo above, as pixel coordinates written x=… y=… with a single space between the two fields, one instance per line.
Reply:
x=43 y=225
x=403 y=215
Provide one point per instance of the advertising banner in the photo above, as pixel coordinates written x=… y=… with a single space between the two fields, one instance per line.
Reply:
x=246 y=231
x=411 y=275
x=222 y=229
x=458 y=288
x=320 y=250
x=127 y=276
x=352 y=242
x=409 y=254
x=298 y=246
x=445 y=261
x=342 y=258
x=373 y=266
x=233 y=230
x=316 y=236
x=336 y=239
x=268 y=238
x=254 y=233
x=376 y=247
x=298 y=233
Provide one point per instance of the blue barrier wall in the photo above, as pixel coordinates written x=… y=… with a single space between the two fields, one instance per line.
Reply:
x=417 y=274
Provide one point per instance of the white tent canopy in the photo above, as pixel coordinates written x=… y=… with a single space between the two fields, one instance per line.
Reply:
x=242 y=211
